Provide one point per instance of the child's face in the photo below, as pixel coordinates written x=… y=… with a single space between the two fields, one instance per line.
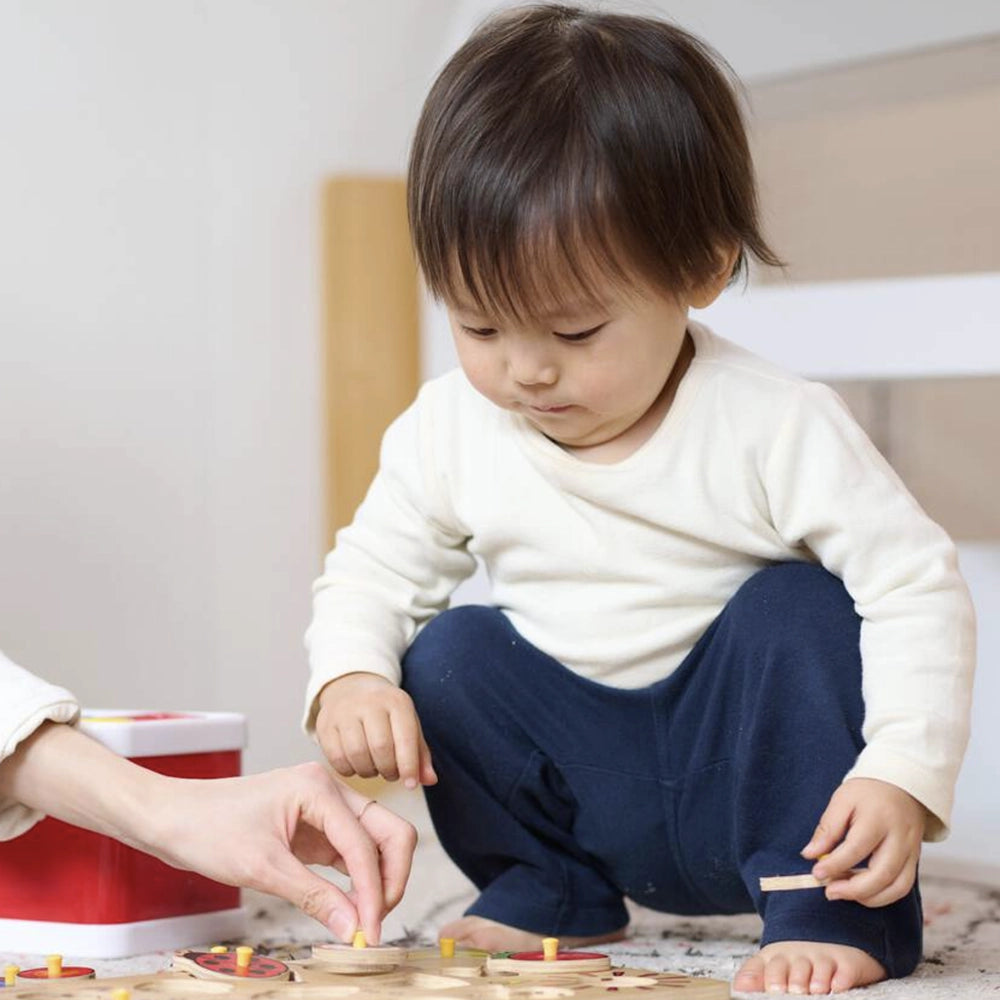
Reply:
x=583 y=375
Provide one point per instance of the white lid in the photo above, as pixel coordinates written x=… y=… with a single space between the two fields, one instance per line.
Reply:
x=147 y=733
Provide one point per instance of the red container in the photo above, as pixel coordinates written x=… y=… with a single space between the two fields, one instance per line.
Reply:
x=70 y=890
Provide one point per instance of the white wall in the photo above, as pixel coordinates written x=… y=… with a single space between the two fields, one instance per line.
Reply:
x=160 y=499
x=773 y=37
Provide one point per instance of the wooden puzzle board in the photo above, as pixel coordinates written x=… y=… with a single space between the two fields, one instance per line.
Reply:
x=423 y=975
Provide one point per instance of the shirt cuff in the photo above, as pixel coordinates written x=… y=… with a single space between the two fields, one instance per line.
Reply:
x=53 y=704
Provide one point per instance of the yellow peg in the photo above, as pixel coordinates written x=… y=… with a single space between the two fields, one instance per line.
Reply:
x=550 y=948
x=54 y=963
x=243 y=955
x=447 y=947
x=359 y=940
x=10 y=974
x=218 y=949
x=120 y=994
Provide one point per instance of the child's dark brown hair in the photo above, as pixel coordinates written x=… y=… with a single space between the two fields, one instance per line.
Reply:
x=562 y=144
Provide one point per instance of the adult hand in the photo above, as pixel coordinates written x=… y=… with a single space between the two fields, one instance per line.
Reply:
x=262 y=830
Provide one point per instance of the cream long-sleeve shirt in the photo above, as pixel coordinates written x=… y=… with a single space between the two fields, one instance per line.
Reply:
x=26 y=701
x=616 y=570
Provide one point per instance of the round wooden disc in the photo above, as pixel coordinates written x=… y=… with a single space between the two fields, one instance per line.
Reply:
x=68 y=972
x=349 y=960
x=534 y=963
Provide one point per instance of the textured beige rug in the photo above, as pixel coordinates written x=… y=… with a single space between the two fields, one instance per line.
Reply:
x=962 y=936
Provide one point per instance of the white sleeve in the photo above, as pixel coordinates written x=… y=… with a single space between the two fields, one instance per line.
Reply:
x=27 y=702
x=830 y=490
x=393 y=568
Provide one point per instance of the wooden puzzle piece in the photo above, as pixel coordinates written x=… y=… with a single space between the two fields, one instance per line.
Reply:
x=230 y=965
x=421 y=974
x=350 y=959
x=54 y=970
x=538 y=963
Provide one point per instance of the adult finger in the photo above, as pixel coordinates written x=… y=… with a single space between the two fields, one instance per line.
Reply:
x=360 y=855
x=287 y=877
x=396 y=840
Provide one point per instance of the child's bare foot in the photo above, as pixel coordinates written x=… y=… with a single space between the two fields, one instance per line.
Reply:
x=478 y=932
x=807 y=967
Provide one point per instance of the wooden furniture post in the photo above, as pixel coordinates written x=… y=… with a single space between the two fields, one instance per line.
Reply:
x=370 y=328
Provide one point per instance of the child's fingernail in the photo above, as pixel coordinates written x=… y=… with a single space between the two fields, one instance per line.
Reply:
x=411 y=782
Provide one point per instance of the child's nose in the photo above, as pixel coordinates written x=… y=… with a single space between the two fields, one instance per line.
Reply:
x=531 y=368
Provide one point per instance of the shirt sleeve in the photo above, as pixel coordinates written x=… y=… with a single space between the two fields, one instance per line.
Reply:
x=393 y=568
x=830 y=491
x=27 y=702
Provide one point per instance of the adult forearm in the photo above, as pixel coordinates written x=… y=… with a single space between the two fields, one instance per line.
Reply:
x=65 y=774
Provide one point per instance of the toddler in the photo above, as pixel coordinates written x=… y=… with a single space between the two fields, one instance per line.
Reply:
x=725 y=638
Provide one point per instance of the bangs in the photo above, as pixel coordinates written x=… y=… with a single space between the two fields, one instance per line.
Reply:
x=528 y=254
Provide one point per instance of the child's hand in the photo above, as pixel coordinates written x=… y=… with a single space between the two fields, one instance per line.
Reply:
x=875 y=820
x=367 y=726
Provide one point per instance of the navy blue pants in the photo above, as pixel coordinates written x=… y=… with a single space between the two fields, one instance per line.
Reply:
x=559 y=796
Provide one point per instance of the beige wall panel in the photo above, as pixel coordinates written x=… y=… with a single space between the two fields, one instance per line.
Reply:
x=371 y=329
x=943 y=438
x=884 y=169
x=945 y=444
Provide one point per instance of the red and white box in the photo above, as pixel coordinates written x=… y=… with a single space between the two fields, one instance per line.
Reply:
x=63 y=889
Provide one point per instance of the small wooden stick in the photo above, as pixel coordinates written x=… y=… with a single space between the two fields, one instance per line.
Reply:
x=782 y=883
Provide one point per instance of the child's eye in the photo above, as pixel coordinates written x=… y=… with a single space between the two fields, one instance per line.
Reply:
x=485 y=331
x=575 y=338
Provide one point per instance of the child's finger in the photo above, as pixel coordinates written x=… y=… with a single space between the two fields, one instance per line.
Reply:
x=381 y=745
x=888 y=861
x=355 y=743
x=830 y=830
x=334 y=750
x=896 y=889
x=857 y=846
x=428 y=776
x=406 y=735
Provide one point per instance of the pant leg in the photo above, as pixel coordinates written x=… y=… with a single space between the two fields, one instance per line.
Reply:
x=499 y=717
x=765 y=719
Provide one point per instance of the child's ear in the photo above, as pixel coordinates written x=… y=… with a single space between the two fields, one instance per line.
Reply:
x=703 y=295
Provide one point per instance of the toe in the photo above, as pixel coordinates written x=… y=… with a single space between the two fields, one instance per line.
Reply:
x=855 y=968
x=799 y=975
x=776 y=974
x=750 y=978
x=822 y=975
